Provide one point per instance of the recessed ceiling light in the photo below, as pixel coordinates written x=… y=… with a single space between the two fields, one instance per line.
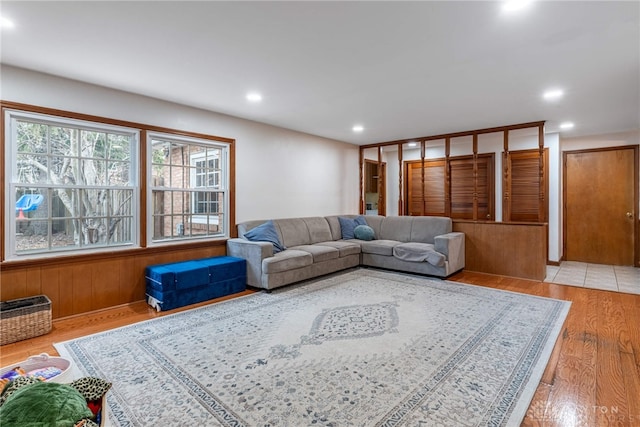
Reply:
x=515 y=5
x=6 y=23
x=553 y=94
x=358 y=128
x=254 y=97
x=566 y=125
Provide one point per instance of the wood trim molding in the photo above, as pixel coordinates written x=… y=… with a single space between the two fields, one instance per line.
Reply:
x=116 y=122
x=459 y=134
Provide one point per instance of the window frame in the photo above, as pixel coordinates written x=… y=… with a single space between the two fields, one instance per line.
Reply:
x=10 y=117
x=225 y=186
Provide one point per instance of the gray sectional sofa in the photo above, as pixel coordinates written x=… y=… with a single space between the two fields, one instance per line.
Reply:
x=314 y=246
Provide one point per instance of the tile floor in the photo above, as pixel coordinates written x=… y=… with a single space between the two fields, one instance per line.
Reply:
x=596 y=276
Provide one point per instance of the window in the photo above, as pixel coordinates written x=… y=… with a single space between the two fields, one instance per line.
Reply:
x=188 y=179
x=72 y=185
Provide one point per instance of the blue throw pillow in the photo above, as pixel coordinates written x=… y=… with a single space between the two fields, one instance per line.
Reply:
x=364 y=232
x=347 y=225
x=266 y=233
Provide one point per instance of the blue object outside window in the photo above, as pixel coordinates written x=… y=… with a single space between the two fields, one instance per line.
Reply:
x=29 y=202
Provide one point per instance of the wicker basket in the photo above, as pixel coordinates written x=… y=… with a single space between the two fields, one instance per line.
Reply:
x=24 y=318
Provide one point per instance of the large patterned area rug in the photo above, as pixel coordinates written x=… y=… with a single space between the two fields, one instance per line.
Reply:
x=362 y=348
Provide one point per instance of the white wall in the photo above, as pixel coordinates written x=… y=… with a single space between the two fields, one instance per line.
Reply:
x=279 y=173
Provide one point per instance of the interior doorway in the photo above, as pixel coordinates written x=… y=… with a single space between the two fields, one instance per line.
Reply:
x=375 y=184
x=601 y=205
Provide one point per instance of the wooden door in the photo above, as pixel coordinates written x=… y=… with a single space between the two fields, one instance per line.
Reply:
x=601 y=202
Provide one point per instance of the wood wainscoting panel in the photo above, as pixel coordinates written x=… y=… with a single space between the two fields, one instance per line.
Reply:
x=13 y=284
x=51 y=288
x=505 y=248
x=77 y=286
x=82 y=285
x=102 y=275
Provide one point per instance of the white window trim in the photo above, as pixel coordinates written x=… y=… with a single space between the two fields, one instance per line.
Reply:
x=193 y=159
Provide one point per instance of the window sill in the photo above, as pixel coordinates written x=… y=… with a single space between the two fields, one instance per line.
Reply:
x=58 y=259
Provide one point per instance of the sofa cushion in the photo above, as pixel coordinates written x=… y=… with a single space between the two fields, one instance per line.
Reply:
x=425 y=228
x=419 y=252
x=319 y=253
x=294 y=231
x=375 y=222
x=266 y=232
x=289 y=259
x=344 y=248
x=379 y=247
x=319 y=230
x=364 y=232
x=396 y=228
x=348 y=225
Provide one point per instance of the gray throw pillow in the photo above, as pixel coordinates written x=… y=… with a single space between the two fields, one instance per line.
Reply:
x=266 y=233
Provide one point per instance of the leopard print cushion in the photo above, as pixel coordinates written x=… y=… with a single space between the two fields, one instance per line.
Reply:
x=86 y=423
x=14 y=385
x=91 y=388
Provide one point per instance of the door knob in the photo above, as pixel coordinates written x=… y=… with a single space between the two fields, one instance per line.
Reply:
x=629 y=215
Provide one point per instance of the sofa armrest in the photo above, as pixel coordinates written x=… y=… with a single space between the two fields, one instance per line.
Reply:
x=452 y=245
x=254 y=253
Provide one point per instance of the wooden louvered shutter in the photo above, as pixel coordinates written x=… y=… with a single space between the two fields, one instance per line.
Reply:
x=524 y=186
x=432 y=202
x=434 y=187
x=415 y=201
x=462 y=187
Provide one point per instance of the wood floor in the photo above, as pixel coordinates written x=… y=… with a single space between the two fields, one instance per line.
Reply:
x=592 y=379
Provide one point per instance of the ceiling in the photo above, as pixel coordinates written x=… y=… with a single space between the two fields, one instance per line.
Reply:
x=399 y=69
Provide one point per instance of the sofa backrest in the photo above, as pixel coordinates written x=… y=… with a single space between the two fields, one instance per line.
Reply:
x=422 y=229
x=334 y=225
x=425 y=228
x=310 y=230
x=295 y=231
x=375 y=222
